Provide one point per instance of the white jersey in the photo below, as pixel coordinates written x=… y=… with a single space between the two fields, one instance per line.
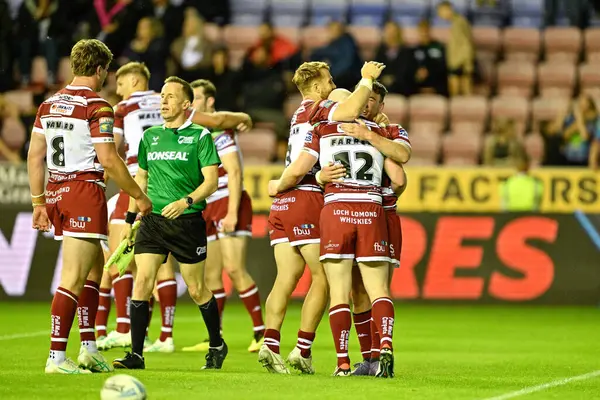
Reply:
x=226 y=143
x=132 y=117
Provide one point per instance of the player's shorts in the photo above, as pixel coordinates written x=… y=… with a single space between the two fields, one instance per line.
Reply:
x=77 y=209
x=217 y=210
x=294 y=218
x=395 y=236
x=117 y=216
x=184 y=237
x=354 y=231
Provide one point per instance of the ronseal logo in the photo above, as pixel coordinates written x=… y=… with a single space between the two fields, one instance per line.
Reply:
x=168 y=155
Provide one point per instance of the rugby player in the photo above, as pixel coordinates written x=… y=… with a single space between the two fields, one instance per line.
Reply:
x=294 y=217
x=73 y=131
x=178 y=164
x=228 y=216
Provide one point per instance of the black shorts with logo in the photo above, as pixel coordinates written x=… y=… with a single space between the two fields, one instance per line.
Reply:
x=184 y=237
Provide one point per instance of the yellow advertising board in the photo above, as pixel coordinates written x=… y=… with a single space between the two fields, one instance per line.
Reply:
x=443 y=189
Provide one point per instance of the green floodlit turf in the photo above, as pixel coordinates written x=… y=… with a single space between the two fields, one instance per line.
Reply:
x=441 y=353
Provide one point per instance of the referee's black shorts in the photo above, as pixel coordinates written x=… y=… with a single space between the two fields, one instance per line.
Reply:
x=184 y=237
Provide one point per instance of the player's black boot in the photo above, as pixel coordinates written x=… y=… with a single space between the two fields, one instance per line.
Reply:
x=130 y=361
x=215 y=357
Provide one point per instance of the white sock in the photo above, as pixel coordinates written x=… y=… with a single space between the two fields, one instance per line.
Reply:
x=57 y=356
x=90 y=345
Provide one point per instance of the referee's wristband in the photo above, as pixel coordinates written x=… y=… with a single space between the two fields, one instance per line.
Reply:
x=130 y=218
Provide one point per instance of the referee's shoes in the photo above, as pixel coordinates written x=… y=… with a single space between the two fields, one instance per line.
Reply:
x=216 y=356
x=130 y=361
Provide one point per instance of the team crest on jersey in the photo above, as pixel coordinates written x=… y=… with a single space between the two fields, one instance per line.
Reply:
x=62 y=109
x=106 y=124
x=222 y=141
x=185 y=140
x=327 y=103
x=308 y=138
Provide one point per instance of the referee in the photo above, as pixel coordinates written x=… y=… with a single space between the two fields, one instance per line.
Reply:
x=178 y=165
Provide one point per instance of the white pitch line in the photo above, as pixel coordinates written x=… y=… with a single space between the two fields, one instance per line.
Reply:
x=548 y=385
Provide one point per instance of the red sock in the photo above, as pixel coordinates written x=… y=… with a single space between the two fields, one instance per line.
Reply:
x=340 y=320
x=123 y=288
x=375 y=341
x=362 y=324
x=150 y=308
x=383 y=316
x=272 y=338
x=87 y=308
x=103 y=311
x=251 y=300
x=221 y=297
x=305 y=341
x=167 y=293
x=64 y=306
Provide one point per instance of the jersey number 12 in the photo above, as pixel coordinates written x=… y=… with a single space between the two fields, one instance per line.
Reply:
x=363 y=173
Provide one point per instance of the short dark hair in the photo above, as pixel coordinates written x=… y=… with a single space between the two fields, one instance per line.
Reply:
x=187 y=89
x=209 y=88
x=380 y=89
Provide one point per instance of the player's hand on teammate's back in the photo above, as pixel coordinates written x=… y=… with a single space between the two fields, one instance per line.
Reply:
x=357 y=130
x=382 y=120
x=245 y=126
x=332 y=173
x=144 y=204
x=273 y=187
x=372 y=70
x=41 y=222
x=175 y=209
x=228 y=223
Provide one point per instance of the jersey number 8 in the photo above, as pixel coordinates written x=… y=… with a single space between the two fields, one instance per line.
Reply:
x=58 y=154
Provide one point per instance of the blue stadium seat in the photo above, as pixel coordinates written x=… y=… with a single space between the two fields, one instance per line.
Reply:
x=409 y=12
x=289 y=12
x=249 y=6
x=247 y=19
x=322 y=12
x=288 y=20
x=487 y=15
x=368 y=12
x=528 y=13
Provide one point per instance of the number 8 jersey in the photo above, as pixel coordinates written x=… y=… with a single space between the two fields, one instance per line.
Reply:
x=363 y=162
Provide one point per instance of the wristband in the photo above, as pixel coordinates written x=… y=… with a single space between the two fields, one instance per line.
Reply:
x=38 y=195
x=38 y=204
x=130 y=218
x=368 y=83
x=318 y=178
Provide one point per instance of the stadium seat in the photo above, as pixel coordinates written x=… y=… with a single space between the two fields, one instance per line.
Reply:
x=323 y=12
x=461 y=148
x=589 y=75
x=528 y=13
x=521 y=44
x=238 y=37
x=291 y=104
x=290 y=32
x=487 y=39
x=368 y=12
x=64 y=70
x=396 y=108
x=468 y=113
x=13 y=133
x=592 y=44
x=251 y=20
x=562 y=44
x=428 y=109
x=419 y=127
x=516 y=78
x=426 y=148
x=285 y=20
x=556 y=79
x=409 y=12
x=314 y=36
x=367 y=38
x=213 y=32
x=534 y=147
x=440 y=33
x=39 y=71
x=248 y=12
x=487 y=65
x=289 y=13
x=513 y=107
x=547 y=109
x=258 y=146
x=23 y=99
x=484 y=14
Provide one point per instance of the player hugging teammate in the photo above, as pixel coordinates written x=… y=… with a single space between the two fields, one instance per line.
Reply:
x=353 y=222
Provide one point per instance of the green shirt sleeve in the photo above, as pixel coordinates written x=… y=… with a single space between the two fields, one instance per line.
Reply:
x=143 y=154
x=207 y=152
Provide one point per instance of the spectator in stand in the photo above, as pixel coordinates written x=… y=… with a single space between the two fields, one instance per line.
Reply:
x=281 y=49
x=12 y=132
x=216 y=11
x=578 y=130
x=503 y=148
x=263 y=94
x=553 y=143
x=342 y=56
x=521 y=192
x=392 y=52
x=115 y=22
x=6 y=58
x=192 y=51
x=171 y=17
x=460 y=53
x=149 y=47
x=429 y=71
x=225 y=79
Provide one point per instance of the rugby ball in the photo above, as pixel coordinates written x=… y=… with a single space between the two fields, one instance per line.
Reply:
x=123 y=387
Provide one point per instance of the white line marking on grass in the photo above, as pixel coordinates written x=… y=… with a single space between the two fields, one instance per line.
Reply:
x=548 y=385
x=25 y=335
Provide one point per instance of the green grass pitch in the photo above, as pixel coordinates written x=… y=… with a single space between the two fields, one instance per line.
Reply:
x=442 y=352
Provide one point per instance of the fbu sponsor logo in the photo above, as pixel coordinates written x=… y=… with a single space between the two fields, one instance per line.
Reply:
x=303 y=230
x=79 y=222
x=380 y=246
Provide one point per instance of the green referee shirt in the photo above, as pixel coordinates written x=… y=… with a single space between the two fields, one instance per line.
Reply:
x=174 y=159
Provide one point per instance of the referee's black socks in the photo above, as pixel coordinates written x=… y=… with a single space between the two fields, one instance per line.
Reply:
x=210 y=314
x=139 y=312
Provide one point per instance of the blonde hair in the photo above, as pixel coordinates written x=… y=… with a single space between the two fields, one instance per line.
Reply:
x=89 y=54
x=134 y=67
x=307 y=73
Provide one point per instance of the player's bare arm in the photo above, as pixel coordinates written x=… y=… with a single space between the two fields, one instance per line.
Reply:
x=397 y=175
x=223 y=120
x=295 y=171
x=206 y=188
x=397 y=151
x=141 y=179
x=37 y=176
x=352 y=107
x=233 y=166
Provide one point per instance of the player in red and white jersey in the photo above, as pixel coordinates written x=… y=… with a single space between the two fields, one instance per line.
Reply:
x=294 y=217
x=73 y=131
x=228 y=217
